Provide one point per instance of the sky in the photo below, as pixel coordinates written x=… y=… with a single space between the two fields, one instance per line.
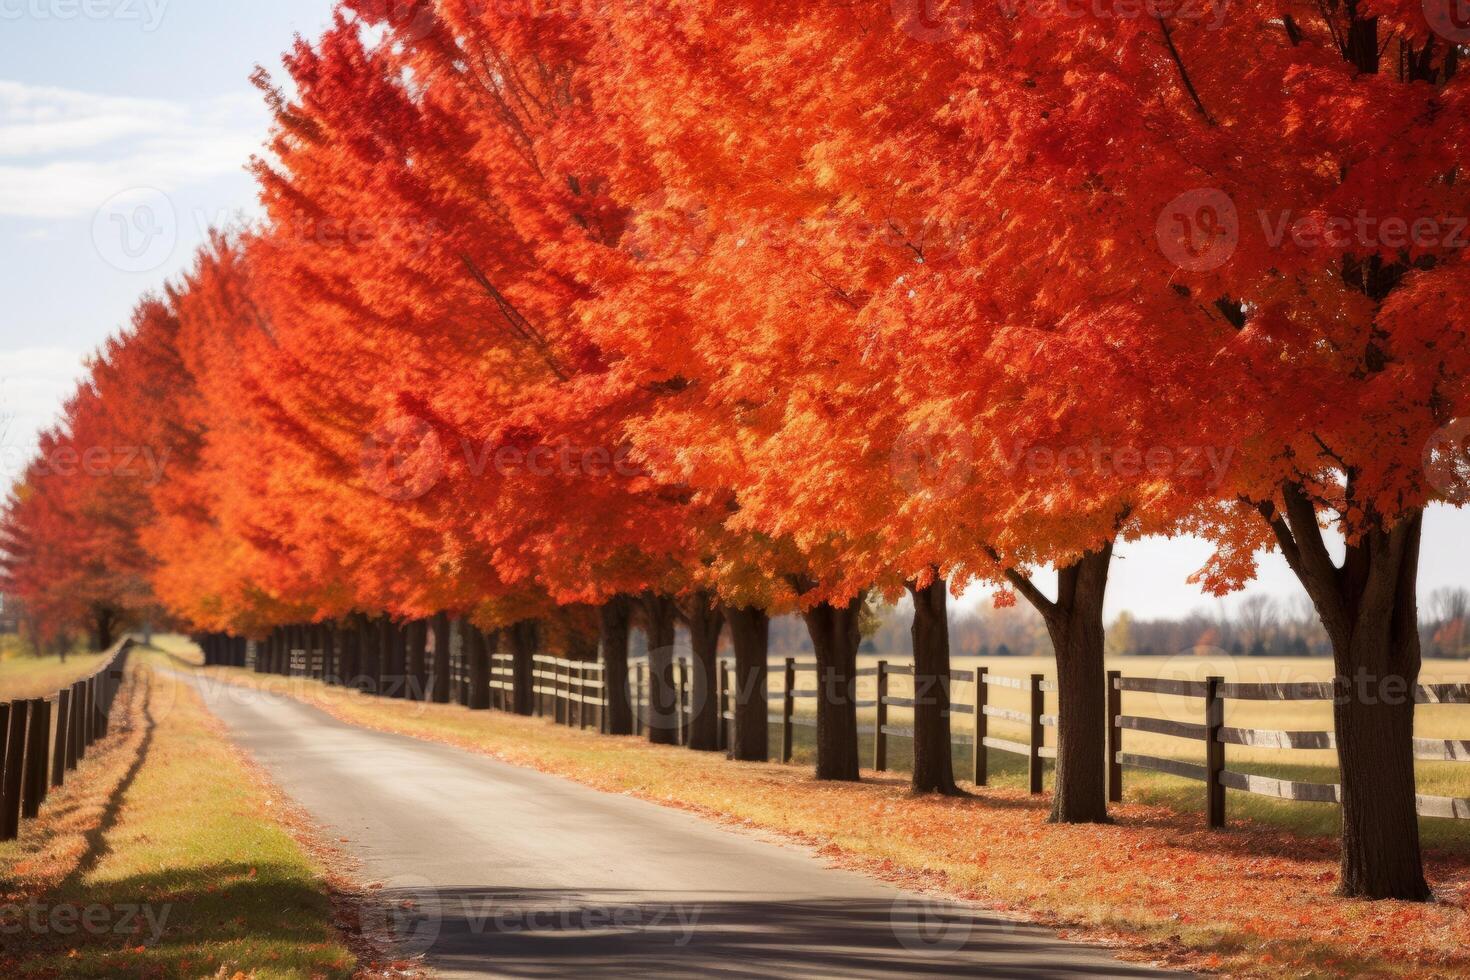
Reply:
x=125 y=130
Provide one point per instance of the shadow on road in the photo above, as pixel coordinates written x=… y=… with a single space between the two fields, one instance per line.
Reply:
x=554 y=932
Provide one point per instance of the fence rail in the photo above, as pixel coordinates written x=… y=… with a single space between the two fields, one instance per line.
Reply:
x=1214 y=692
x=43 y=739
x=574 y=693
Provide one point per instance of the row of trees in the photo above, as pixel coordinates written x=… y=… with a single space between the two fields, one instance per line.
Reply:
x=570 y=317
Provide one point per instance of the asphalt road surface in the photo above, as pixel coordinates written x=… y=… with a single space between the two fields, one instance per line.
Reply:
x=490 y=870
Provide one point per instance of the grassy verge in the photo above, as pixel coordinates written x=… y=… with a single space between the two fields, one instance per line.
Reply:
x=164 y=856
x=1253 y=901
x=24 y=675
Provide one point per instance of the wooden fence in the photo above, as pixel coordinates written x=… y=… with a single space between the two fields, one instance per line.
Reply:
x=42 y=739
x=574 y=693
x=1212 y=694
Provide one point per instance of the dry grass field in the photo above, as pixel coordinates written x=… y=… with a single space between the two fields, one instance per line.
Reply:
x=23 y=675
x=1433 y=721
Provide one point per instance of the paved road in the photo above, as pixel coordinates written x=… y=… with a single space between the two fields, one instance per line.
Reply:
x=493 y=870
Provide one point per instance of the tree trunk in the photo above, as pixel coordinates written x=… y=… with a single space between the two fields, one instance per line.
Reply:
x=372 y=656
x=330 y=668
x=390 y=672
x=1375 y=722
x=836 y=635
x=418 y=662
x=482 y=646
x=659 y=614
x=750 y=634
x=104 y=634
x=1369 y=608
x=1076 y=628
x=616 y=617
x=395 y=641
x=1075 y=624
x=347 y=646
x=440 y=627
x=525 y=642
x=705 y=623
x=933 y=758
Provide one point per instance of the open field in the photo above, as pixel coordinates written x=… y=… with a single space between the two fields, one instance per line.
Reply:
x=1432 y=721
x=1252 y=901
x=25 y=676
x=175 y=848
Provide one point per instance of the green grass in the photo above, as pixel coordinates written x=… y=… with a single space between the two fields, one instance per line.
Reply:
x=169 y=819
x=25 y=675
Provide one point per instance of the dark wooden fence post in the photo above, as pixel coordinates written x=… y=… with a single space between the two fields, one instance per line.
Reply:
x=1038 y=732
x=788 y=708
x=681 y=700
x=1214 y=751
x=99 y=700
x=1115 y=737
x=38 y=752
x=91 y=729
x=6 y=708
x=981 y=758
x=880 y=737
x=15 y=752
x=723 y=694
x=478 y=644
x=74 y=727
x=58 y=759
x=638 y=669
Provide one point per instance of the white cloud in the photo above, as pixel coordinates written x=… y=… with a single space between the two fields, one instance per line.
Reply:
x=63 y=153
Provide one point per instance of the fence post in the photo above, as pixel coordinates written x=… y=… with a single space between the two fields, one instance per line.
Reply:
x=582 y=696
x=15 y=751
x=5 y=738
x=638 y=698
x=89 y=719
x=602 y=700
x=38 y=755
x=74 y=752
x=1038 y=731
x=722 y=685
x=1115 y=737
x=58 y=759
x=981 y=757
x=99 y=721
x=788 y=707
x=1214 y=751
x=682 y=707
x=880 y=737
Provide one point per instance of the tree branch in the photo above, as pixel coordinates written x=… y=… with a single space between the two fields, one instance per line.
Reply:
x=1024 y=585
x=1183 y=72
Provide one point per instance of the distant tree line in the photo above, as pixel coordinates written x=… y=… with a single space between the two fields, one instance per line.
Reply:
x=1259 y=625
